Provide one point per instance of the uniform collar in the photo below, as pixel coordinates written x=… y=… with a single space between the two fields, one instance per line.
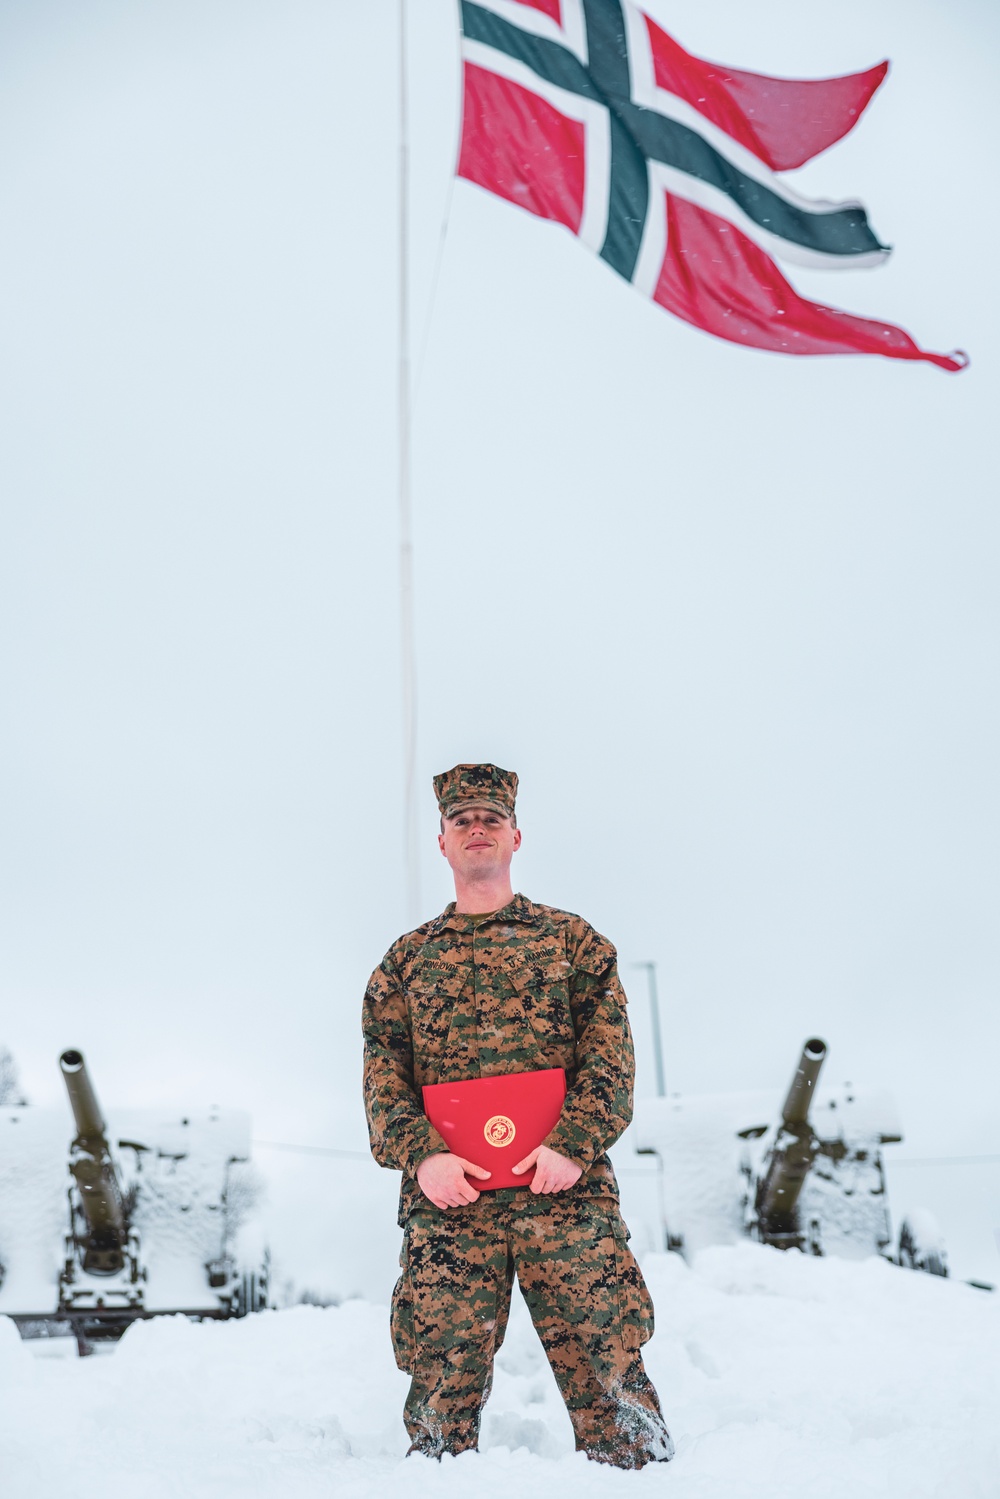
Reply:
x=518 y=909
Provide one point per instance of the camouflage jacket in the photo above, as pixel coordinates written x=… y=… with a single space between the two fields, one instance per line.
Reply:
x=519 y=990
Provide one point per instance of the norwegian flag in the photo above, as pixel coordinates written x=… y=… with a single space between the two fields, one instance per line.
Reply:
x=586 y=112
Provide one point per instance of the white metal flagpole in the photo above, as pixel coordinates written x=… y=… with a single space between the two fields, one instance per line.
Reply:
x=408 y=651
x=654 y=1005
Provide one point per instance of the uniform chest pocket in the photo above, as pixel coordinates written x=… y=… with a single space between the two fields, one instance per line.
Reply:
x=430 y=1021
x=434 y=993
x=543 y=989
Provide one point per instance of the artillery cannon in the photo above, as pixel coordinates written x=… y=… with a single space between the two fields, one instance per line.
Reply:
x=160 y=1216
x=100 y=1229
x=99 y=1243
x=790 y=1157
x=811 y=1180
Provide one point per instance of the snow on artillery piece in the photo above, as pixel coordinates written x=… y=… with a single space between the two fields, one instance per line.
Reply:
x=813 y=1179
x=156 y=1221
x=99 y=1239
x=775 y=1182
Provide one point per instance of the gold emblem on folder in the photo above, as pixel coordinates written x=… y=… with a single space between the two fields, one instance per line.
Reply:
x=499 y=1130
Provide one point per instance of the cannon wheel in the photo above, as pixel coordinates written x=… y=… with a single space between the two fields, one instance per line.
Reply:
x=921 y=1246
x=251 y=1294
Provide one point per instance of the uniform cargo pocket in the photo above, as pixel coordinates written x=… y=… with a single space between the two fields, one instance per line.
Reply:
x=634 y=1301
x=404 y=1343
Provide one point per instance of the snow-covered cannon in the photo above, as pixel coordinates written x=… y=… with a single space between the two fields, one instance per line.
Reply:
x=100 y=1229
x=790 y=1158
x=162 y=1215
x=800 y=1172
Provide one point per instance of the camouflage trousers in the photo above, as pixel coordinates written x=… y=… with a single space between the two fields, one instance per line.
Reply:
x=587 y=1299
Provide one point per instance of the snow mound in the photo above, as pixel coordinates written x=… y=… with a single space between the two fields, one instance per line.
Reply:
x=15 y=1360
x=778 y=1373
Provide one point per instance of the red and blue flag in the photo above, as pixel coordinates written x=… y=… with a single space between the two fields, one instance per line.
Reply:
x=668 y=167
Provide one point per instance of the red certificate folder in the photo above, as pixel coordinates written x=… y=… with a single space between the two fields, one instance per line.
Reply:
x=496 y=1121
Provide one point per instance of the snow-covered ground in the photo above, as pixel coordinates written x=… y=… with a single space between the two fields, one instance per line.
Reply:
x=780 y=1374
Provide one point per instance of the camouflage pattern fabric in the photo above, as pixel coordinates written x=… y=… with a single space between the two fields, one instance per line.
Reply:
x=587 y=1299
x=521 y=989
x=476 y=786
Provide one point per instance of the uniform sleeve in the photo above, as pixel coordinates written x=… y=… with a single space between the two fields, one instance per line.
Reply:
x=598 y=1106
x=401 y=1135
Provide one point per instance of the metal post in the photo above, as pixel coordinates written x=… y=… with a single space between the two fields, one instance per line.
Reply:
x=408 y=651
x=654 y=1005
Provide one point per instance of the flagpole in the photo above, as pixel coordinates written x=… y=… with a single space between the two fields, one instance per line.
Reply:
x=654 y=1007
x=408 y=652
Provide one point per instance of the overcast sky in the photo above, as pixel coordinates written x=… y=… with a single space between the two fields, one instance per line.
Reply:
x=732 y=617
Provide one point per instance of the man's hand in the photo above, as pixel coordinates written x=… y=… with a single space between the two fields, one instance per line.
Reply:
x=553 y=1172
x=442 y=1178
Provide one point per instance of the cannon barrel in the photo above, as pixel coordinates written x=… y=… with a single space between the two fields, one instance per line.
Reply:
x=796 y=1110
x=94 y=1171
x=792 y=1154
x=83 y=1100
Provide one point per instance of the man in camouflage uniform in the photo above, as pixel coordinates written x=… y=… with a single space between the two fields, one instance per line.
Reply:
x=495 y=985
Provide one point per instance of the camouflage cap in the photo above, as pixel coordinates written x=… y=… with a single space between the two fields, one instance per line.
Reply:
x=475 y=786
